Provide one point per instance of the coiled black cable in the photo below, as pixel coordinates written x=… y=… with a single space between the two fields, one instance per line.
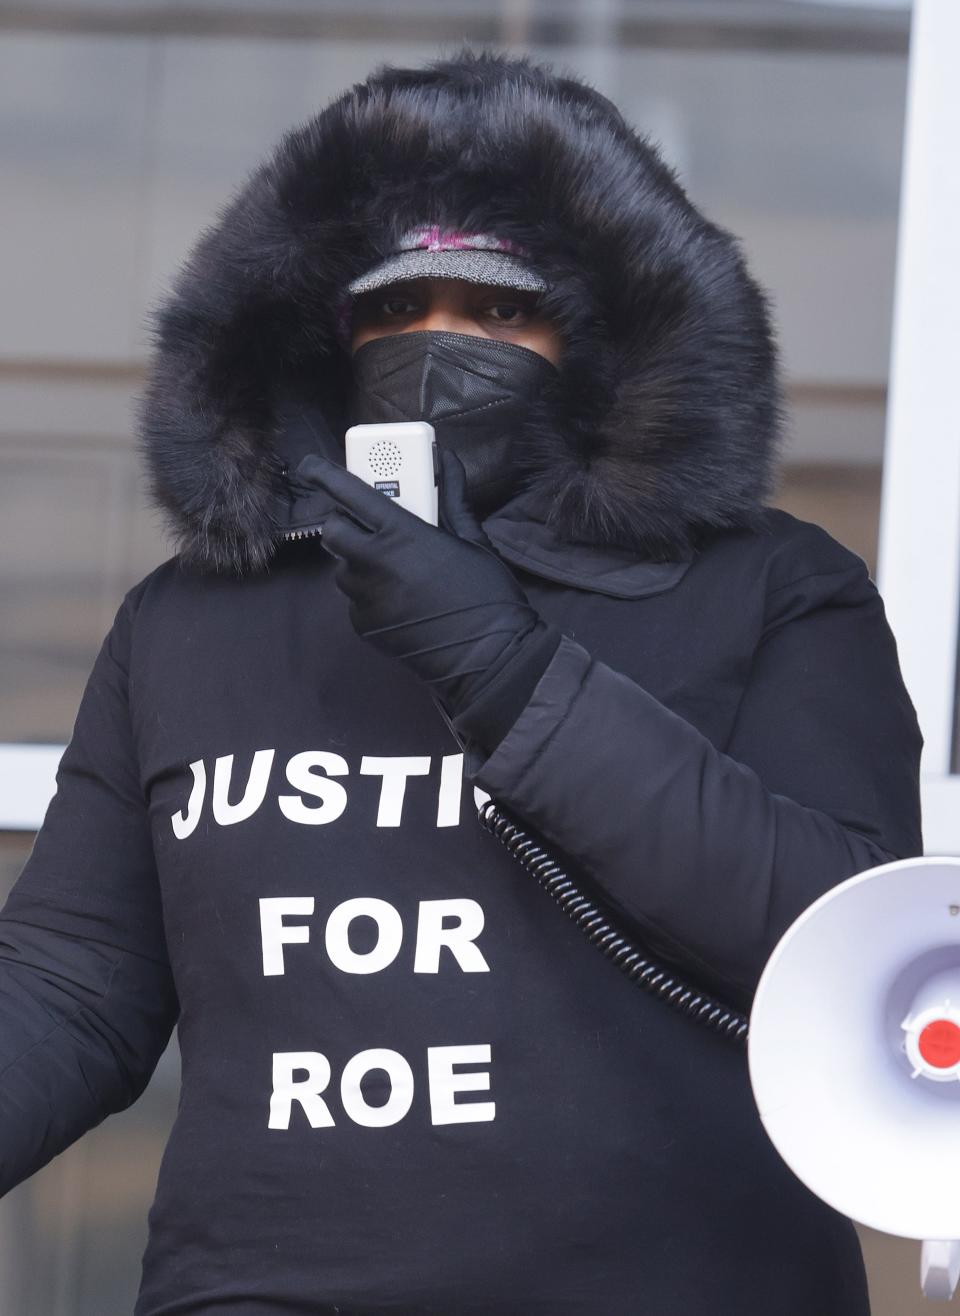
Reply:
x=645 y=972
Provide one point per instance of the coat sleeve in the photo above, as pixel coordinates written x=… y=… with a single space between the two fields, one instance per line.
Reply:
x=713 y=853
x=87 y=1001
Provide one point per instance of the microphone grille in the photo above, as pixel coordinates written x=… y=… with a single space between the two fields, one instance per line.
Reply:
x=385 y=459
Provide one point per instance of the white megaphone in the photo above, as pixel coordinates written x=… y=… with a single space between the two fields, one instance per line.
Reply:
x=854 y=1053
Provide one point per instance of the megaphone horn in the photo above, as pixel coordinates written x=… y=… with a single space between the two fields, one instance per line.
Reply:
x=854 y=1055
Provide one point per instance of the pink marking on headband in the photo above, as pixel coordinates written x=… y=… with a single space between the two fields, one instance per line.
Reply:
x=437 y=239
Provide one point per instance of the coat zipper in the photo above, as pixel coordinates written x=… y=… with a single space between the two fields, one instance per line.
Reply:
x=312 y=532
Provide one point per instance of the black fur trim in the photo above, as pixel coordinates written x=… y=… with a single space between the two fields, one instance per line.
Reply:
x=664 y=421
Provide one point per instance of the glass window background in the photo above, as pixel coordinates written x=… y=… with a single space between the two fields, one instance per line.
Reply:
x=125 y=126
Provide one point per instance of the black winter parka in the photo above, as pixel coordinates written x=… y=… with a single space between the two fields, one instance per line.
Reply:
x=409 y=1082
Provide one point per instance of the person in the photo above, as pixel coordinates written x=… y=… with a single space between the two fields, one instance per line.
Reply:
x=409 y=1082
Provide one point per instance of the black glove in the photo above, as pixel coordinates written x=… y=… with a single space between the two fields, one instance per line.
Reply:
x=439 y=600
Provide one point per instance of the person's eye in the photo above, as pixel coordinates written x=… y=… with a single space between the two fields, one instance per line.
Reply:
x=390 y=307
x=507 y=312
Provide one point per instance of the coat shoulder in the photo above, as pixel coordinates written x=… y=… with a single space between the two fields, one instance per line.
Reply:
x=147 y=601
x=789 y=566
x=794 y=550
x=155 y=582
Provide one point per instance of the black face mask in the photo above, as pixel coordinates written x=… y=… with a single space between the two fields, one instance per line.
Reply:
x=474 y=391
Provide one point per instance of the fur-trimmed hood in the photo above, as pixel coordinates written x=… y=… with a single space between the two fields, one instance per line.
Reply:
x=662 y=425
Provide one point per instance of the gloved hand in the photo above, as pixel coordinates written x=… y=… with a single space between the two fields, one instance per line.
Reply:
x=439 y=600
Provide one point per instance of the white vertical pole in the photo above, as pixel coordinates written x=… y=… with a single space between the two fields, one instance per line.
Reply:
x=919 y=559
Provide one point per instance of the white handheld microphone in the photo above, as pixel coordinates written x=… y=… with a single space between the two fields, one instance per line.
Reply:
x=400 y=460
